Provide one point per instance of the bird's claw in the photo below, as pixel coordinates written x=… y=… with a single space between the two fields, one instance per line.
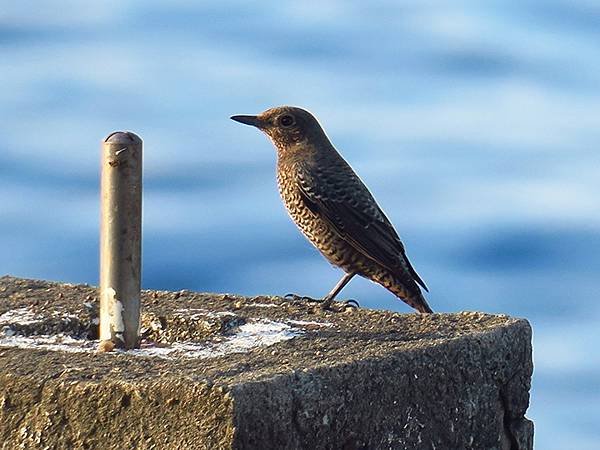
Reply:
x=300 y=298
x=351 y=303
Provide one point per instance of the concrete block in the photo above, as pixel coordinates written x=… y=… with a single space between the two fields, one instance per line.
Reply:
x=220 y=371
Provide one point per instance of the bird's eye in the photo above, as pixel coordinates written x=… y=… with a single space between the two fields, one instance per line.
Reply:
x=286 y=120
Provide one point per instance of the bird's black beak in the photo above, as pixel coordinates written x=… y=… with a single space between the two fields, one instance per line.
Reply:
x=249 y=120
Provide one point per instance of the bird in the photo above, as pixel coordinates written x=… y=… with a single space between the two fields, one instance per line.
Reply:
x=333 y=208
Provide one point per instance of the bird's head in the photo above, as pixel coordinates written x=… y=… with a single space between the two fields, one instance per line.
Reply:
x=286 y=126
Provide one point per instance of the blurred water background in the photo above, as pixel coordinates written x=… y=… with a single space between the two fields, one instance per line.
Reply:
x=475 y=124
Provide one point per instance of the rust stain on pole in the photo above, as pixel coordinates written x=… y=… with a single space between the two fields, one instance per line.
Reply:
x=120 y=239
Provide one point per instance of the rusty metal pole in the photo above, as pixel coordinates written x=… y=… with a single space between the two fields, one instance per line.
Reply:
x=120 y=240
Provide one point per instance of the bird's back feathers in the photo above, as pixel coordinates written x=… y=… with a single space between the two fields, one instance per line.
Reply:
x=336 y=193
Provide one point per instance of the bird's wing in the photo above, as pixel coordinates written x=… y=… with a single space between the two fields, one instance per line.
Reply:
x=341 y=198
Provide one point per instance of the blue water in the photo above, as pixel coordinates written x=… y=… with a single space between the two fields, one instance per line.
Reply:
x=475 y=124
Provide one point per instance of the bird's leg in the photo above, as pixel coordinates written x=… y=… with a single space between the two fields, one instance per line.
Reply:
x=328 y=299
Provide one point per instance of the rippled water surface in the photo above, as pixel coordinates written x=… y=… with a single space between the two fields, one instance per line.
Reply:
x=476 y=125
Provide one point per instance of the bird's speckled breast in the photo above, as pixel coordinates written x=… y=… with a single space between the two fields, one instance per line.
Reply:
x=318 y=231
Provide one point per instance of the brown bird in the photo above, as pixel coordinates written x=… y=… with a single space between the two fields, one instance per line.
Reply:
x=333 y=208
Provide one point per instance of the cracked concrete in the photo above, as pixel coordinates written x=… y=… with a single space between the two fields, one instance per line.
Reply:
x=348 y=379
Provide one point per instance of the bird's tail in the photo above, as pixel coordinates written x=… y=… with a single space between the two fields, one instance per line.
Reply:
x=416 y=300
x=411 y=295
x=421 y=305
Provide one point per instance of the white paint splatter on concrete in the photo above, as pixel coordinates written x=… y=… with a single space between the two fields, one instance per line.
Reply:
x=198 y=313
x=309 y=322
x=252 y=335
x=58 y=342
x=256 y=333
x=20 y=316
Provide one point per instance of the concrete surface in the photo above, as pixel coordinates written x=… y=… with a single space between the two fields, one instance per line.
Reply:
x=224 y=371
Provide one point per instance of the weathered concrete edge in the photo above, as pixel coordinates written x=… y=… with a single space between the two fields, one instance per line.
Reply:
x=283 y=420
x=56 y=412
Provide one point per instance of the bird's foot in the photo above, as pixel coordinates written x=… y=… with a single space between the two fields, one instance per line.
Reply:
x=325 y=302
x=341 y=304
x=351 y=303
x=301 y=298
